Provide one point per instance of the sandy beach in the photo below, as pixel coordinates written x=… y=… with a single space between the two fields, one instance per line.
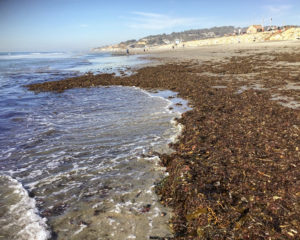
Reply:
x=219 y=52
x=234 y=173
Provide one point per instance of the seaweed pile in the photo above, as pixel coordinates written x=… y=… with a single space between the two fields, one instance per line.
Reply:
x=235 y=170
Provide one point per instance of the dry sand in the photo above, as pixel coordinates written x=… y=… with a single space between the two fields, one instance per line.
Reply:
x=219 y=52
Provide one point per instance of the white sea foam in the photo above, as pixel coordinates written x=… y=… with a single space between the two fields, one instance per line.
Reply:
x=109 y=64
x=179 y=128
x=21 y=219
x=82 y=226
x=34 y=55
x=131 y=236
x=55 y=169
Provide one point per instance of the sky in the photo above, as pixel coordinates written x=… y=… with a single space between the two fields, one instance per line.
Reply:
x=79 y=25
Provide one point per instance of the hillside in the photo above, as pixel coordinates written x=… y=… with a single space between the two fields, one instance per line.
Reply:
x=164 y=39
x=202 y=37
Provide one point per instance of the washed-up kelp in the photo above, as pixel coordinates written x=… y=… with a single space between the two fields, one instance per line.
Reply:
x=234 y=173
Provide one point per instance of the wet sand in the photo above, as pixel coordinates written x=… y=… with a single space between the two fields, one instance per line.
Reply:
x=234 y=173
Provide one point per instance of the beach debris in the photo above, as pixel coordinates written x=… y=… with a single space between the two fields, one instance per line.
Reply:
x=163 y=214
x=146 y=208
x=56 y=210
x=160 y=238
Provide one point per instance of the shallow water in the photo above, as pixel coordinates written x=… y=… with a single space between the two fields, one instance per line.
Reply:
x=78 y=164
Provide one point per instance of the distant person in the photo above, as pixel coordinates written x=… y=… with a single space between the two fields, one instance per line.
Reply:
x=173 y=47
x=127 y=51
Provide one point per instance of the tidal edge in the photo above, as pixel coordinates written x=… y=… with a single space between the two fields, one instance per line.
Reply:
x=234 y=172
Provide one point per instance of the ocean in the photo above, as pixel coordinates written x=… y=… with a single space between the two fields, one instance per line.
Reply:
x=81 y=164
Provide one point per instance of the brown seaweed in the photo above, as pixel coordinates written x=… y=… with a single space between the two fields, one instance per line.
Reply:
x=235 y=170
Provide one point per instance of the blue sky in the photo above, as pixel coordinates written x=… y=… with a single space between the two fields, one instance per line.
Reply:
x=45 y=25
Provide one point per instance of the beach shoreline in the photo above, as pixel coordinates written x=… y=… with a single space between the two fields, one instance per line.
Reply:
x=234 y=170
x=284 y=35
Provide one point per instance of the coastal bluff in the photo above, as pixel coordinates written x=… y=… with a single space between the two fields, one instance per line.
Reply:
x=278 y=35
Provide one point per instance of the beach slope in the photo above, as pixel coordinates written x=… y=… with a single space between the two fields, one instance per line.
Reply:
x=235 y=170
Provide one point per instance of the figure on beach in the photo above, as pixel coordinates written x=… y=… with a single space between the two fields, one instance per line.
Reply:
x=127 y=51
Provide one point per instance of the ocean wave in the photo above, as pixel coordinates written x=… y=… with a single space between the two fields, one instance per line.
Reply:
x=34 y=55
x=19 y=216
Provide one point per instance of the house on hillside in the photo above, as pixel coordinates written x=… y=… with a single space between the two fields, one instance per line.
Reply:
x=255 y=29
x=177 y=41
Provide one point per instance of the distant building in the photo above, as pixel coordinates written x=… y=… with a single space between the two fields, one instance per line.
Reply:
x=177 y=41
x=255 y=29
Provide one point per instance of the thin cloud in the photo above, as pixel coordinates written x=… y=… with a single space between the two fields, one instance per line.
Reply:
x=278 y=9
x=150 y=15
x=154 y=21
x=83 y=25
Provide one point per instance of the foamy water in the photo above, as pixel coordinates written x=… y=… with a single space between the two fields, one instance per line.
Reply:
x=19 y=213
x=80 y=164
